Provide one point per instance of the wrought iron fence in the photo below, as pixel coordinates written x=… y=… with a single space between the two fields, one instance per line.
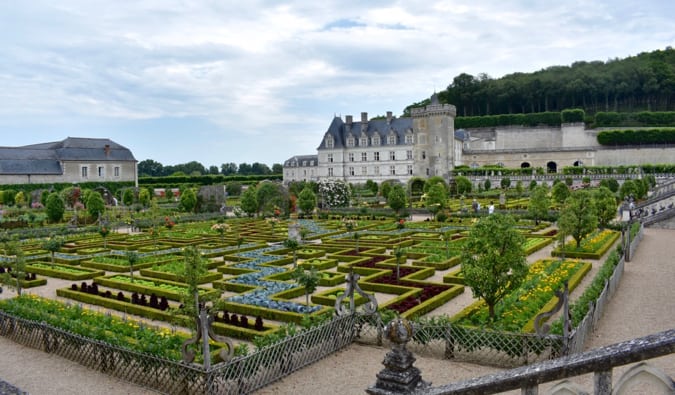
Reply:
x=461 y=343
x=239 y=376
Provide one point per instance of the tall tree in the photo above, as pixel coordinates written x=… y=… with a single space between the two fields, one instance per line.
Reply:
x=307 y=200
x=229 y=168
x=539 y=203
x=249 y=201
x=605 y=205
x=578 y=217
x=493 y=259
x=396 y=199
x=150 y=168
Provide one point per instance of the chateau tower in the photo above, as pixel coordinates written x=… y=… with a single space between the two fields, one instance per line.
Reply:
x=434 y=149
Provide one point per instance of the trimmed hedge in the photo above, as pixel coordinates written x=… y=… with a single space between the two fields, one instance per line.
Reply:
x=133 y=287
x=637 y=137
x=64 y=274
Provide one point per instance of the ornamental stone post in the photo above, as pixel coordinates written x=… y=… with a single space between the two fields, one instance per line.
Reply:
x=399 y=376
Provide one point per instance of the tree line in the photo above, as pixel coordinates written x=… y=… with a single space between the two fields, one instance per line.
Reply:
x=152 y=168
x=637 y=83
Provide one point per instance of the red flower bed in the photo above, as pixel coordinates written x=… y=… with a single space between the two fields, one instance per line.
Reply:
x=428 y=292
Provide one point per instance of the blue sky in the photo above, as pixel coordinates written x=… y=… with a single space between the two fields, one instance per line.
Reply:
x=259 y=81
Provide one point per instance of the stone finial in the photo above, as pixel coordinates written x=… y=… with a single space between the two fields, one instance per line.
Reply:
x=399 y=376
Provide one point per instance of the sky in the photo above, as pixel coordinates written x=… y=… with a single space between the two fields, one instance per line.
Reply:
x=260 y=81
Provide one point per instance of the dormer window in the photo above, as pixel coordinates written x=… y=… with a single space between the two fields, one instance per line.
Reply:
x=364 y=142
x=330 y=143
x=350 y=141
x=375 y=140
x=392 y=139
x=408 y=138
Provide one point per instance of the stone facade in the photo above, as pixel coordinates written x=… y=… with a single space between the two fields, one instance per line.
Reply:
x=427 y=144
x=72 y=160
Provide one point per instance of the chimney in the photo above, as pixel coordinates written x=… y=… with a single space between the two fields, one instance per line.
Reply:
x=106 y=149
x=349 y=119
x=389 y=116
x=364 y=121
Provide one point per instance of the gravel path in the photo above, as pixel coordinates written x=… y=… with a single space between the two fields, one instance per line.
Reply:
x=644 y=304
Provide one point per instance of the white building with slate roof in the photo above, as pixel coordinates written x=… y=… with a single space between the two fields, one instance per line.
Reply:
x=72 y=160
x=383 y=149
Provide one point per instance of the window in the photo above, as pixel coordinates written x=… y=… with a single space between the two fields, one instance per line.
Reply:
x=410 y=170
x=424 y=155
x=85 y=172
x=364 y=141
x=311 y=163
x=330 y=158
x=409 y=139
x=350 y=142
x=304 y=173
x=422 y=139
x=438 y=139
x=408 y=154
x=304 y=163
x=116 y=171
x=351 y=171
x=364 y=156
x=392 y=140
x=330 y=172
x=427 y=171
x=377 y=170
x=392 y=155
x=351 y=157
x=376 y=140
x=329 y=142
x=392 y=170
x=376 y=156
x=364 y=170
x=101 y=171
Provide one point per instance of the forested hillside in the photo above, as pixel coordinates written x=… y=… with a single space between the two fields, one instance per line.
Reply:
x=645 y=82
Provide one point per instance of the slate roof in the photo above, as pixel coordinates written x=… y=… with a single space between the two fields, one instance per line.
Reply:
x=296 y=161
x=340 y=131
x=46 y=158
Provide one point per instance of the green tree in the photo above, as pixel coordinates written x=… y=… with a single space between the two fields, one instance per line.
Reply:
x=372 y=186
x=307 y=200
x=605 y=206
x=194 y=267
x=539 y=203
x=249 y=201
x=436 y=198
x=17 y=264
x=95 y=204
x=487 y=185
x=610 y=183
x=493 y=259
x=144 y=197
x=55 y=207
x=53 y=245
x=132 y=258
x=309 y=279
x=128 y=197
x=533 y=184
x=399 y=254
x=577 y=217
x=519 y=188
x=628 y=188
x=463 y=185
x=505 y=183
x=431 y=181
x=188 y=200
x=270 y=195
x=20 y=199
x=560 y=192
x=396 y=199
x=293 y=245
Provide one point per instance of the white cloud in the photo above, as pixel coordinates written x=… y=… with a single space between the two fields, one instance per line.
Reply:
x=269 y=76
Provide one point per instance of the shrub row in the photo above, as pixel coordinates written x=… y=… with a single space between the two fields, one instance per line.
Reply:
x=637 y=137
x=643 y=118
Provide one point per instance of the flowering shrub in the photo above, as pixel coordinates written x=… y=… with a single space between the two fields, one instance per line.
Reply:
x=221 y=228
x=168 y=222
x=400 y=224
x=334 y=193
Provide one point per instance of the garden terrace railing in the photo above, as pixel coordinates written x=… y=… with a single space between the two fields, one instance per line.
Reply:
x=600 y=361
x=460 y=343
x=239 y=376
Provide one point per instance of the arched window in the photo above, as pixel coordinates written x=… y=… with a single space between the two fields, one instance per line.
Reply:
x=551 y=167
x=525 y=165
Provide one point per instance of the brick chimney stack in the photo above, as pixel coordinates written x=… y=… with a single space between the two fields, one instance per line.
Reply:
x=106 y=149
x=389 y=117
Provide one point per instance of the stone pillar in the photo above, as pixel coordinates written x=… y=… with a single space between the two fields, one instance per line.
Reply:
x=399 y=376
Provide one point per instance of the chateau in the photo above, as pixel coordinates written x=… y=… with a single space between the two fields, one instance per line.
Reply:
x=426 y=144
x=71 y=160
